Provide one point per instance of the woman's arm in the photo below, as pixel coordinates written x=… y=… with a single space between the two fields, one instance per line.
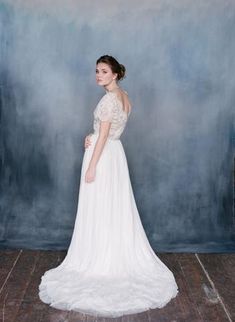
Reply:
x=99 y=146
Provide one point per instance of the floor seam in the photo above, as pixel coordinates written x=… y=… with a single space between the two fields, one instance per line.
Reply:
x=8 y=275
x=214 y=288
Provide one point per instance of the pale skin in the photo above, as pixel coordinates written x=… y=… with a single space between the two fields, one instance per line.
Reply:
x=106 y=78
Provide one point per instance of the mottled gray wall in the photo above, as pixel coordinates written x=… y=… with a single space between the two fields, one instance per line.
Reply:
x=180 y=137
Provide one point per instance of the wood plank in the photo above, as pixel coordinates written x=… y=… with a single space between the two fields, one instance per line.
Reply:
x=7 y=260
x=180 y=308
x=196 y=300
x=221 y=270
x=50 y=314
x=169 y=312
x=55 y=315
x=32 y=308
x=203 y=296
x=16 y=285
x=79 y=317
x=138 y=317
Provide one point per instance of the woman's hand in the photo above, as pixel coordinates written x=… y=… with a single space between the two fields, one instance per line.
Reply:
x=87 y=142
x=90 y=175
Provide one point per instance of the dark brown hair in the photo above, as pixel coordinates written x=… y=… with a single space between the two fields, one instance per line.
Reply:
x=115 y=66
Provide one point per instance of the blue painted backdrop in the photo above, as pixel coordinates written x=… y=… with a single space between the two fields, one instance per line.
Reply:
x=179 y=141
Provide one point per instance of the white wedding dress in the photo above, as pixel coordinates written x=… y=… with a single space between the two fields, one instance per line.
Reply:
x=110 y=269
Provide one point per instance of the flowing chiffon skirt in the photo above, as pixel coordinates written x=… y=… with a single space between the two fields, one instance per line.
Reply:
x=110 y=269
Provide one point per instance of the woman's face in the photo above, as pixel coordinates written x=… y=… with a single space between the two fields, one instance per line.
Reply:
x=104 y=74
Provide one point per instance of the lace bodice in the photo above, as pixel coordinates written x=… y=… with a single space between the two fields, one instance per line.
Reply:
x=110 y=109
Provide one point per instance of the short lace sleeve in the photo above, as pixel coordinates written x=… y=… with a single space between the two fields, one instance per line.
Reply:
x=105 y=110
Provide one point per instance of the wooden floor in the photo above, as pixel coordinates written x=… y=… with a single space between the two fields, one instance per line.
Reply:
x=206 y=289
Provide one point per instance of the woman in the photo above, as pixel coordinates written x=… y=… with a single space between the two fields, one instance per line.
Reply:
x=110 y=268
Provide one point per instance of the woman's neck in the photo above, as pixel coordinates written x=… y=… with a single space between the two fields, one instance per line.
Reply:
x=111 y=87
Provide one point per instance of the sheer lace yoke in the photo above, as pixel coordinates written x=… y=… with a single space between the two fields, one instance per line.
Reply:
x=110 y=109
x=121 y=103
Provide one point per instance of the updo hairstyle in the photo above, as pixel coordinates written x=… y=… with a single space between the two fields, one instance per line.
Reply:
x=115 y=66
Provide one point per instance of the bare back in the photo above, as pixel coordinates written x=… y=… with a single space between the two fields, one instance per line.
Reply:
x=122 y=96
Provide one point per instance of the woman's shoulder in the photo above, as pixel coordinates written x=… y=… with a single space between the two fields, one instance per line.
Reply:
x=107 y=97
x=107 y=100
x=113 y=98
x=123 y=99
x=120 y=90
x=116 y=95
